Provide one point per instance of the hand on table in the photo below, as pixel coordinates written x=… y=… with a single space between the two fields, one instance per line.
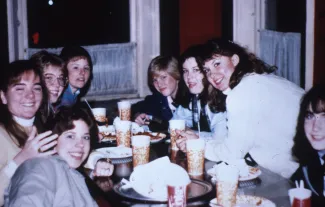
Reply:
x=141 y=119
x=37 y=146
x=183 y=136
x=103 y=168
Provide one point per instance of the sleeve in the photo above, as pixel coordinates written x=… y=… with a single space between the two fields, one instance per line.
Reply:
x=183 y=114
x=31 y=186
x=218 y=124
x=7 y=169
x=244 y=111
x=141 y=106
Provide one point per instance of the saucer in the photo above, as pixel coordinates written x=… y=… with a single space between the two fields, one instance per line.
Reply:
x=247 y=201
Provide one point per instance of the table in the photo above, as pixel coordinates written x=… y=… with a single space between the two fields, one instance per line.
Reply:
x=271 y=186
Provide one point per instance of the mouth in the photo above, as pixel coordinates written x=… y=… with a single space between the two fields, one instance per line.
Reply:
x=81 y=79
x=76 y=155
x=191 y=85
x=28 y=104
x=218 y=81
x=318 y=137
x=54 y=93
x=162 y=89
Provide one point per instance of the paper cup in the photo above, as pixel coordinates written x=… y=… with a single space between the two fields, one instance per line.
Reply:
x=140 y=149
x=123 y=133
x=99 y=114
x=177 y=186
x=124 y=108
x=227 y=184
x=300 y=197
x=173 y=126
x=195 y=156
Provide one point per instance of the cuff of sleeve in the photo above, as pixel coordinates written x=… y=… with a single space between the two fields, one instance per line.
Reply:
x=10 y=168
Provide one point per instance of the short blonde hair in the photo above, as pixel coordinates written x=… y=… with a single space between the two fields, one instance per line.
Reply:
x=160 y=63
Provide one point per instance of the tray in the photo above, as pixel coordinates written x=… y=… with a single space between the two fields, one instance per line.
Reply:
x=197 y=188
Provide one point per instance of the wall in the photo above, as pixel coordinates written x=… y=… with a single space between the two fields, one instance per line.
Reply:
x=319 y=46
x=199 y=21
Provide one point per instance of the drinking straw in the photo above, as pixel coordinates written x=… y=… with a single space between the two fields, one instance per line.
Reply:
x=88 y=104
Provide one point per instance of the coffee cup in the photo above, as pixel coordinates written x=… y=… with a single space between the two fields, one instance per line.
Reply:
x=173 y=126
x=123 y=133
x=99 y=114
x=140 y=149
x=124 y=108
x=195 y=156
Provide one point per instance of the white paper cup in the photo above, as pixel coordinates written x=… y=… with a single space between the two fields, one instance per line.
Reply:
x=173 y=126
x=123 y=133
x=140 y=149
x=301 y=194
x=195 y=156
x=227 y=184
x=99 y=114
x=124 y=108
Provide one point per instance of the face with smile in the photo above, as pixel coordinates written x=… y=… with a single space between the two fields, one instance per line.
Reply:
x=78 y=72
x=315 y=129
x=24 y=97
x=219 y=70
x=193 y=76
x=74 y=145
x=165 y=84
x=54 y=80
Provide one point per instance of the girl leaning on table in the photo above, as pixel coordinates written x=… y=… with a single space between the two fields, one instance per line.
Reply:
x=193 y=107
x=54 y=180
x=262 y=108
x=164 y=81
x=309 y=144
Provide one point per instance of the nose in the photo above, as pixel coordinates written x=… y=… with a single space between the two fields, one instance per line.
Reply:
x=317 y=124
x=56 y=83
x=80 y=143
x=30 y=94
x=82 y=71
x=190 y=75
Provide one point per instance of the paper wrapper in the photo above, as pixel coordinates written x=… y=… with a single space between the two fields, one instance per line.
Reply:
x=93 y=158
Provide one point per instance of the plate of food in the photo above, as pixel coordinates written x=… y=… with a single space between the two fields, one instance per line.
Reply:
x=247 y=201
x=245 y=172
x=116 y=152
x=154 y=136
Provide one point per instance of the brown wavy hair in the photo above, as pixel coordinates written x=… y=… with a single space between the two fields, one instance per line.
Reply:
x=248 y=63
x=12 y=75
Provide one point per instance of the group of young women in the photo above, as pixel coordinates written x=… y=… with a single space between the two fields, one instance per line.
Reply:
x=41 y=119
x=225 y=94
x=245 y=109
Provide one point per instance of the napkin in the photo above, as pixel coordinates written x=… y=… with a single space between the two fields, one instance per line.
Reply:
x=93 y=158
x=151 y=179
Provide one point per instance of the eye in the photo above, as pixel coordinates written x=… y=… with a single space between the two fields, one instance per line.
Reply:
x=70 y=136
x=216 y=64
x=309 y=115
x=206 y=70
x=38 y=88
x=185 y=71
x=164 y=77
x=86 y=137
x=87 y=68
x=154 y=80
x=196 y=70
x=75 y=68
x=49 y=78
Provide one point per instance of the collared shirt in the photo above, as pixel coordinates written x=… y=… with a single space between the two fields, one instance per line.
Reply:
x=69 y=98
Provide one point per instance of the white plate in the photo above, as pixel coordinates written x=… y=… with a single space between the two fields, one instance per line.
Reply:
x=254 y=172
x=116 y=152
x=247 y=201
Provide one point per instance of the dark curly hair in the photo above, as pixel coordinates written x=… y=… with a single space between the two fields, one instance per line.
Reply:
x=248 y=63
x=302 y=149
x=67 y=115
x=192 y=52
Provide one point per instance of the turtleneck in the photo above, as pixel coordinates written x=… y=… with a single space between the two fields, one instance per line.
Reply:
x=24 y=122
x=227 y=91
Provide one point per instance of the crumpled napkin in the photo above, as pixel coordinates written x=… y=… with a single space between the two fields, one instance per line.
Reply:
x=93 y=158
x=151 y=179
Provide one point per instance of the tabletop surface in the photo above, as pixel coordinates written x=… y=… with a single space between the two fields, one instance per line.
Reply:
x=268 y=185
